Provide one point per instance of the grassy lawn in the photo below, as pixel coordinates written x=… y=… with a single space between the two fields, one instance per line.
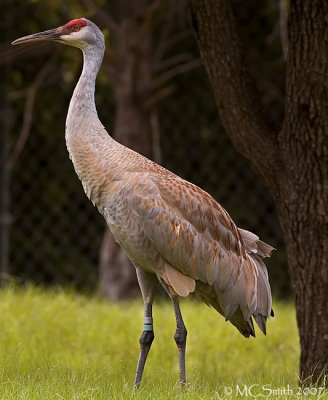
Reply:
x=61 y=345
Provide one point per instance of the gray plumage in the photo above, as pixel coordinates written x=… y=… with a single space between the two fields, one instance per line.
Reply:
x=171 y=230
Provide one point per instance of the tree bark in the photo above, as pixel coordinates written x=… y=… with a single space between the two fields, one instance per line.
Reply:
x=293 y=162
x=303 y=206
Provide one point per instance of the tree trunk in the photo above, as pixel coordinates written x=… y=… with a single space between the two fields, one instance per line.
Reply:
x=131 y=74
x=293 y=163
x=306 y=237
x=117 y=278
x=303 y=203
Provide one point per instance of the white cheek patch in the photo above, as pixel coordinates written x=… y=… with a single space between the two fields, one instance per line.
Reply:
x=64 y=38
x=73 y=39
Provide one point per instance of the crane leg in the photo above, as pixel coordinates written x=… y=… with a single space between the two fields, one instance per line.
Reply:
x=147 y=284
x=180 y=338
x=146 y=339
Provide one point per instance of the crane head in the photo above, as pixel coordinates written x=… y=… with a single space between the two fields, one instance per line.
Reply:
x=78 y=32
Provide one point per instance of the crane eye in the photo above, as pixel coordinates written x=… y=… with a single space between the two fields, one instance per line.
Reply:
x=76 y=28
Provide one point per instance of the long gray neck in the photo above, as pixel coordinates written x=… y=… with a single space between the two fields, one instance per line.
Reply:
x=82 y=113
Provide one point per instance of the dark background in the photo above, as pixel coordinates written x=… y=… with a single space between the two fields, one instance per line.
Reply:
x=50 y=232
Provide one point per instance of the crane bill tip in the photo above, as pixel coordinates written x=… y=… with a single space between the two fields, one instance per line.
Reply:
x=18 y=41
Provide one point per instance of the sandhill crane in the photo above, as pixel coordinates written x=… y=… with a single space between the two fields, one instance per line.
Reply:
x=172 y=231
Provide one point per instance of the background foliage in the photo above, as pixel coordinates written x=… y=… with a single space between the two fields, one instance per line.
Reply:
x=54 y=231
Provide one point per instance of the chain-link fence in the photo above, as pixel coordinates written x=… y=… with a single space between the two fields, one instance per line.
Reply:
x=55 y=232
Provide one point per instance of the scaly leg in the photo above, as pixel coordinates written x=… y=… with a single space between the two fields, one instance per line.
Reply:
x=147 y=284
x=180 y=338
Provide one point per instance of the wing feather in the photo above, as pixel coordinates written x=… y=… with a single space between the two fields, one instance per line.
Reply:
x=198 y=241
x=202 y=244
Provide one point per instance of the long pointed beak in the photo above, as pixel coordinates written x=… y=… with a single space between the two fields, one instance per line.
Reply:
x=52 y=34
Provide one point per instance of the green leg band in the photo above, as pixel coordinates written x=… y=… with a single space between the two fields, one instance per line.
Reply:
x=148 y=327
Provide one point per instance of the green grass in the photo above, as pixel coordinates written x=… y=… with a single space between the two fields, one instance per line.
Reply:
x=60 y=345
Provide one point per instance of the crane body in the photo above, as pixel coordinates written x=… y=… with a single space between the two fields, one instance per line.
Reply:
x=172 y=231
